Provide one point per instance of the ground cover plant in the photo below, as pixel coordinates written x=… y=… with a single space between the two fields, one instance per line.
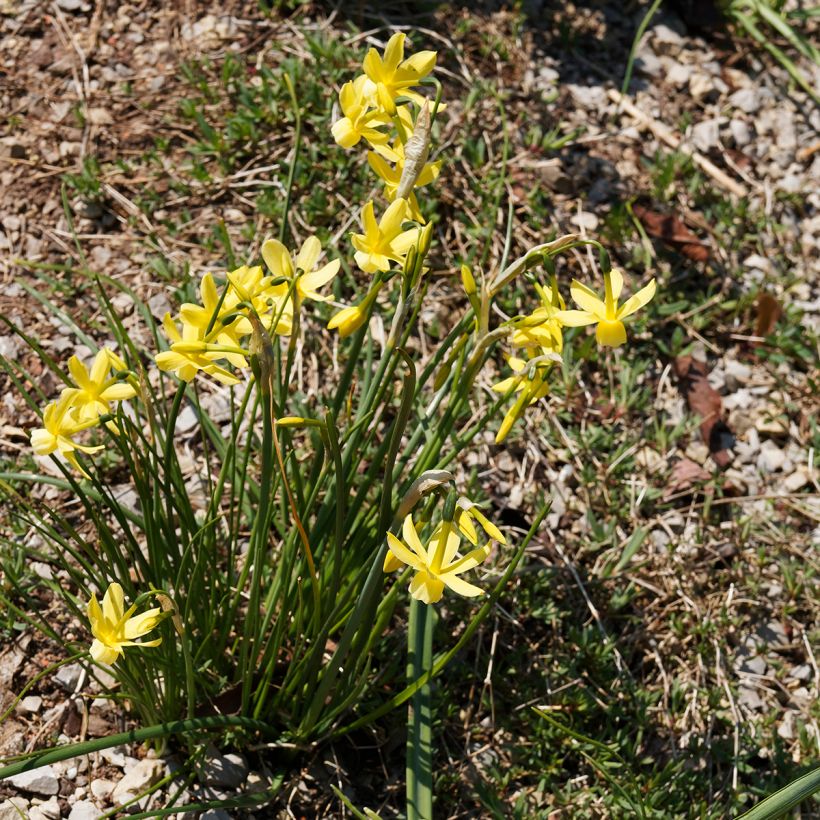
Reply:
x=597 y=677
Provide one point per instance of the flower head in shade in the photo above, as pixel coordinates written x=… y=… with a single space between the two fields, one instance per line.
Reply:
x=114 y=627
x=384 y=241
x=281 y=265
x=60 y=424
x=605 y=312
x=96 y=389
x=529 y=381
x=437 y=565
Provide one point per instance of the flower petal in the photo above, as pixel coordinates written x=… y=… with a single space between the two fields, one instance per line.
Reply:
x=408 y=530
x=103 y=653
x=610 y=334
x=426 y=588
x=576 y=318
x=137 y=626
x=390 y=223
x=404 y=555
x=587 y=300
x=277 y=258
x=616 y=279
x=309 y=254
x=637 y=301
x=460 y=586
x=113 y=604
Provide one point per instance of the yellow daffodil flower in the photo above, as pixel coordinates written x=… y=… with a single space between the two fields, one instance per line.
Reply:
x=610 y=331
x=350 y=319
x=362 y=119
x=94 y=391
x=59 y=425
x=466 y=513
x=280 y=264
x=391 y=176
x=437 y=566
x=383 y=241
x=530 y=381
x=271 y=302
x=113 y=627
x=210 y=313
x=543 y=327
x=192 y=358
x=392 y=75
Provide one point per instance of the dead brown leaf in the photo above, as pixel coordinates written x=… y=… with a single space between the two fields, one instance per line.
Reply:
x=685 y=474
x=704 y=400
x=768 y=312
x=671 y=230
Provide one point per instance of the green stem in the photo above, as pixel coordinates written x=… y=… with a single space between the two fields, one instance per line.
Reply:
x=419 y=766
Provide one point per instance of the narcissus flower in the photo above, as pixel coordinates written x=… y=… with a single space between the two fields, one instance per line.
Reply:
x=362 y=119
x=610 y=331
x=113 y=627
x=543 y=327
x=392 y=75
x=529 y=381
x=59 y=425
x=383 y=241
x=271 y=302
x=391 y=176
x=193 y=357
x=437 y=566
x=94 y=392
x=280 y=264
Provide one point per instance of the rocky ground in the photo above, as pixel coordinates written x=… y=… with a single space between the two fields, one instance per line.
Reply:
x=89 y=90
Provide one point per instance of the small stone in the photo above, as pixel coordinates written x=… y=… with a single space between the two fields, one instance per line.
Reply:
x=771 y=457
x=70 y=5
x=796 y=481
x=736 y=374
x=786 y=728
x=51 y=809
x=29 y=705
x=41 y=781
x=84 y=810
x=137 y=779
x=679 y=74
x=706 y=134
x=13 y=808
x=741 y=133
x=101 y=788
x=753 y=666
x=115 y=756
x=748 y=697
x=215 y=814
x=99 y=116
x=803 y=672
x=228 y=770
x=773 y=633
x=701 y=85
x=586 y=220
x=746 y=99
x=69 y=677
x=666 y=41
x=186 y=420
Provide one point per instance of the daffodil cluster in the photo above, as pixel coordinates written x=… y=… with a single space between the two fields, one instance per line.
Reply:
x=384 y=108
x=442 y=561
x=210 y=336
x=540 y=335
x=81 y=405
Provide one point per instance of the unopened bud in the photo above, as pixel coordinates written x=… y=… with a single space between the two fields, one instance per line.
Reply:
x=416 y=151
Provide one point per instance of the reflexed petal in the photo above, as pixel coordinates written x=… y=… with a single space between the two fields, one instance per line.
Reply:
x=102 y=653
x=137 y=626
x=576 y=318
x=408 y=530
x=348 y=98
x=118 y=392
x=642 y=297
x=403 y=242
x=461 y=587
x=428 y=174
x=468 y=530
x=391 y=562
x=587 y=300
x=309 y=254
x=394 y=52
x=403 y=554
x=170 y=327
x=95 y=614
x=471 y=560
x=100 y=367
x=451 y=548
x=367 y=263
x=426 y=588
x=381 y=168
x=311 y=281
x=372 y=65
x=115 y=361
x=420 y=63
x=616 y=279
x=277 y=258
x=113 y=605
x=386 y=98
x=78 y=372
x=506 y=425
x=508 y=384
x=390 y=223
x=371 y=227
x=610 y=334
x=208 y=293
